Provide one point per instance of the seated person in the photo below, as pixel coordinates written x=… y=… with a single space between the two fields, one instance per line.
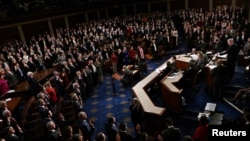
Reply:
x=193 y=54
x=241 y=94
x=168 y=69
x=246 y=48
x=126 y=75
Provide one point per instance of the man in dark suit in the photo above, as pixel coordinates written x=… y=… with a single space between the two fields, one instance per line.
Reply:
x=219 y=76
x=19 y=73
x=123 y=135
x=111 y=129
x=87 y=128
x=171 y=133
x=58 y=84
x=34 y=86
x=11 y=78
x=52 y=133
x=232 y=52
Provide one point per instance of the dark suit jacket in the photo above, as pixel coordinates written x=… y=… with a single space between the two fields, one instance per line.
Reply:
x=86 y=130
x=111 y=131
x=11 y=78
x=218 y=74
x=53 y=136
x=171 y=134
x=126 y=137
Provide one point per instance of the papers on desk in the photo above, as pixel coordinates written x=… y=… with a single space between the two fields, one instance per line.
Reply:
x=8 y=99
x=203 y=114
x=172 y=75
x=216 y=119
x=211 y=66
x=11 y=91
x=194 y=57
x=210 y=107
x=222 y=56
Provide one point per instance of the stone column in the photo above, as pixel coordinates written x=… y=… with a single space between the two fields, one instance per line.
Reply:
x=149 y=7
x=168 y=6
x=107 y=13
x=98 y=14
x=86 y=16
x=249 y=14
x=124 y=10
x=66 y=21
x=210 y=5
x=134 y=9
x=186 y=4
x=234 y=3
x=20 y=31
x=50 y=27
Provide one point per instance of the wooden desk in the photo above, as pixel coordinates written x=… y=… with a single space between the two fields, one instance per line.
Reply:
x=154 y=115
x=183 y=62
x=170 y=93
x=13 y=103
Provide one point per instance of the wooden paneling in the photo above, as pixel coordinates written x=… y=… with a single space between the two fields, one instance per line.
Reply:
x=129 y=10
x=115 y=11
x=246 y=3
x=160 y=6
x=102 y=14
x=141 y=8
x=9 y=35
x=221 y=2
x=198 y=4
x=76 y=19
x=58 y=23
x=177 y=5
x=92 y=15
x=35 y=29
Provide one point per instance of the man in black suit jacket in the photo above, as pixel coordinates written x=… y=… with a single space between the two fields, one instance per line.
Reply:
x=171 y=133
x=219 y=76
x=232 y=52
x=111 y=129
x=52 y=133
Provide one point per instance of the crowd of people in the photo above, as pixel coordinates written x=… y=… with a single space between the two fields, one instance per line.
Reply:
x=84 y=51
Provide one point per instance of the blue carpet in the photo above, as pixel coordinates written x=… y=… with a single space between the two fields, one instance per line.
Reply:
x=103 y=104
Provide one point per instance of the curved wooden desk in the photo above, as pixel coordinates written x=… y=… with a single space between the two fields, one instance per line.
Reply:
x=153 y=115
x=170 y=93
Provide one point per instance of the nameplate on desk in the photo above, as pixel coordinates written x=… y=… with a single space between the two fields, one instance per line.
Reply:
x=172 y=75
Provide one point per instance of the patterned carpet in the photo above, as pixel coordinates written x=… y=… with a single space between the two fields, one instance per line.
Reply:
x=103 y=103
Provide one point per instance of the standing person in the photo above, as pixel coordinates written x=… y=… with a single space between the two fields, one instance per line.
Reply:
x=201 y=132
x=120 y=59
x=86 y=127
x=59 y=84
x=123 y=135
x=114 y=60
x=136 y=112
x=171 y=133
x=51 y=92
x=219 y=76
x=111 y=128
x=141 y=53
x=99 y=70
x=34 y=86
x=10 y=77
x=232 y=52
